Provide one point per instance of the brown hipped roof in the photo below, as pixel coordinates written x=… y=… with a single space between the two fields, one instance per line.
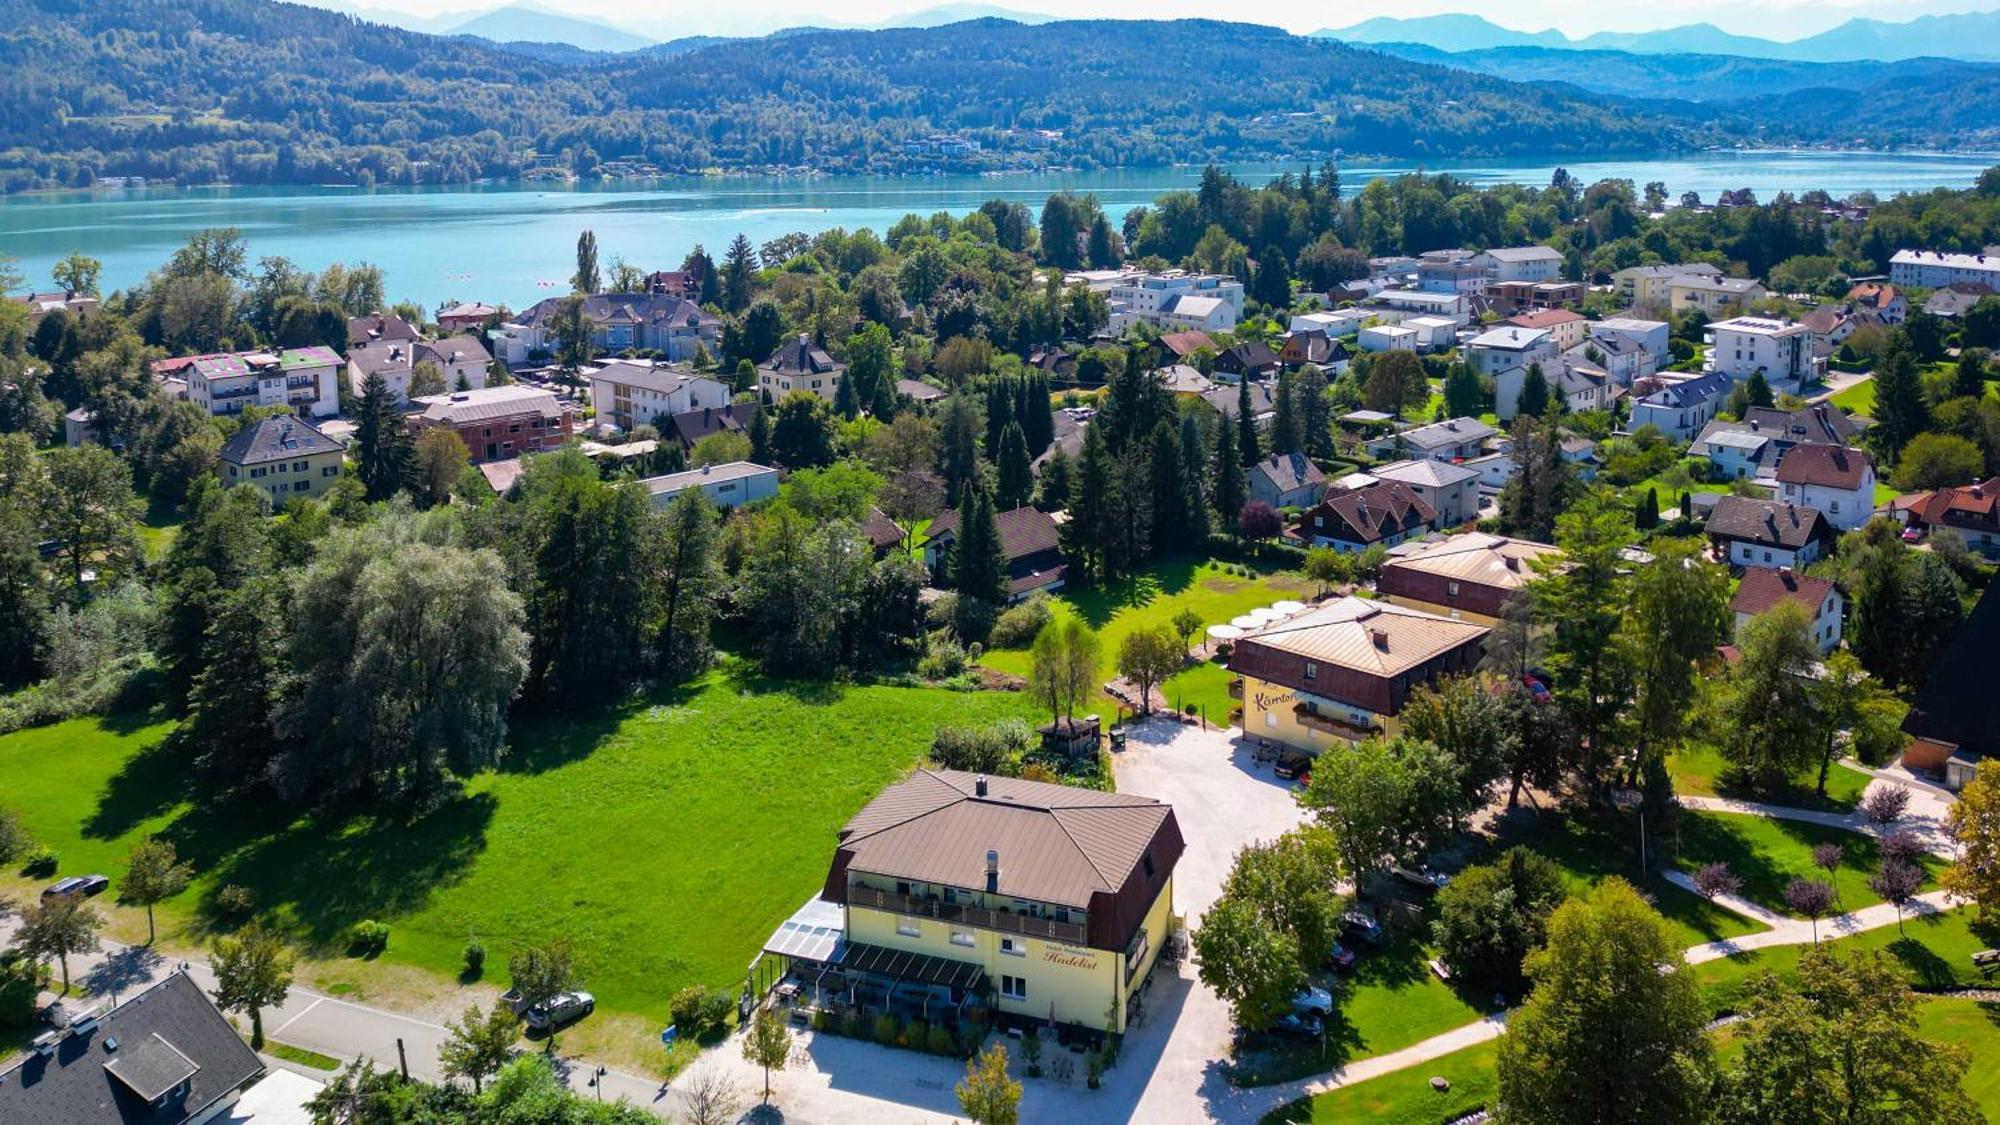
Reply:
x=1829 y=466
x=1023 y=531
x=1057 y=844
x=1365 y=515
x=1766 y=522
x=1764 y=587
x=1377 y=638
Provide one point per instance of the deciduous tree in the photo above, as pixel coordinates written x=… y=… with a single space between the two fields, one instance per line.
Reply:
x=153 y=874
x=987 y=1094
x=253 y=971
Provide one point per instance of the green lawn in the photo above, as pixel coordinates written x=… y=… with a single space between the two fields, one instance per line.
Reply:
x=1975 y=1025
x=1857 y=399
x=1670 y=494
x=1698 y=771
x=1404 y=1097
x=157 y=530
x=1390 y=1000
x=666 y=838
x=1936 y=949
x=300 y=1055
x=1152 y=597
x=1766 y=854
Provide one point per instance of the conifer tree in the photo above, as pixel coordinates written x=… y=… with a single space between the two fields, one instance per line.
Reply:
x=1249 y=450
x=1016 y=481
x=1226 y=487
x=978 y=566
x=383 y=454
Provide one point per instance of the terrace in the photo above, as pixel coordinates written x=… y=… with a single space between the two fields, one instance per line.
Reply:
x=1009 y=921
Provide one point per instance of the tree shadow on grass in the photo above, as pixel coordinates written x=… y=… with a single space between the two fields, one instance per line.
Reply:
x=746 y=678
x=547 y=740
x=326 y=870
x=1927 y=969
x=1099 y=603
x=150 y=783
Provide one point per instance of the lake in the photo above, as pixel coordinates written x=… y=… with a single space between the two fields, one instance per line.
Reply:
x=514 y=244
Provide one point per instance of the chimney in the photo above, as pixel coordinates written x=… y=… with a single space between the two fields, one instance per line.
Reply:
x=979 y=786
x=992 y=872
x=1380 y=639
x=1513 y=563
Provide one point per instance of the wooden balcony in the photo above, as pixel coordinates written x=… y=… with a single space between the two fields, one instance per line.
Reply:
x=1006 y=921
x=1236 y=689
x=1327 y=724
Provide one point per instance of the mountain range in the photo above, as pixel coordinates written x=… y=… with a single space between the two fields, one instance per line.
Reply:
x=1971 y=35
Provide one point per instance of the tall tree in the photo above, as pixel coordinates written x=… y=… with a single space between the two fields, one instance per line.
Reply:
x=1315 y=411
x=1534 y=397
x=57 y=927
x=1227 y=490
x=1772 y=732
x=1015 y=482
x=479 y=1044
x=1170 y=489
x=978 y=566
x=1678 y=613
x=1194 y=507
x=1249 y=449
x=1286 y=432
x=153 y=874
x=437 y=464
x=959 y=427
x=1902 y=411
x=1088 y=535
x=1579 y=595
x=383 y=455
x=739 y=274
x=1462 y=395
x=1615 y=1029
x=234 y=697
x=89 y=515
x=253 y=971
x=1974 y=824
x=688 y=582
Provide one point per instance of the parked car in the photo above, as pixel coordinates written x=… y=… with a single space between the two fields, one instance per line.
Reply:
x=1340 y=957
x=564 y=1008
x=1422 y=876
x=1912 y=534
x=1360 y=924
x=81 y=885
x=1537 y=690
x=1292 y=763
x=1312 y=999
x=1299 y=1025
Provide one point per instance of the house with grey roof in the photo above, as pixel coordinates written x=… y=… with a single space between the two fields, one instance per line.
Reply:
x=1452 y=490
x=1454 y=439
x=642 y=322
x=285 y=457
x=1751 y=532
x=801 y=365
x=1287 y=480
x=163 y=1056
x=630 y=393
x=1679 y=407
x=730 y=485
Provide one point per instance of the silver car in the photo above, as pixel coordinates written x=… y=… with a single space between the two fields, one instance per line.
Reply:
x=563 y=1009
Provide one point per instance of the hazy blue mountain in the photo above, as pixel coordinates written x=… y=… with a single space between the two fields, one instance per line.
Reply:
x=1973 y=35
x=959 y=13
x=1446 y=33
x=1693 y=78
x=526 y=23
x=1967 y=36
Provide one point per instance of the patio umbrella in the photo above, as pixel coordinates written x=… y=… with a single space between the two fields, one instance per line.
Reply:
x=1288 y=607
x=1247 y=622
x=1266 y=615
x=1224 y=632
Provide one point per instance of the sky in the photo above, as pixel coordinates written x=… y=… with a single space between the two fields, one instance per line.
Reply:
x=1771 y=19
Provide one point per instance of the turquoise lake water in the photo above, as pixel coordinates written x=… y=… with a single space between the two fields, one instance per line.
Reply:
x=508 y=244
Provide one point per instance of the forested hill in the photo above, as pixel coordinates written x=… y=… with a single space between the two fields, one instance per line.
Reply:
x=257 y=91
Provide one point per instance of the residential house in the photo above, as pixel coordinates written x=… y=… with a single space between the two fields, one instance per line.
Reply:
x=1935 y=269
x=1955 y=300
x=1171 y=300
x=1455 y=307
x=1972 y=511
x=39 y=305
x=1316 y=347
x=1652 y=336
x=1451 y=277
x=1712 y=295
x=1341 y=672
x=1287 y=480
x=1498 y=352
x=498 y=423
x=1520 y=263
x=1454 y=439
x=1818 y=422
x=801 y=365
x=380 y=328
x=1583 y=385
x=1387 y=512
x=1736 y=453
x=1337 y=323
x=1451 y=490
x=459 y=360
x=1564 y=326
x=1434 y=333
x=285 y=457
x=1764 y=587
x=690 y=426
x=918 y=391
x=884 y=534
x=305 y=379
x=1494 y=469
x=1386 y=338
x=1263 y=401
x=1781 y=349
x=80 y=427
x=1057 y=364
x=466 y=317
x=632 y=393
x=1830 y=326
x=1468 y=577
x=1647 y=286
x=1252 y=359
x=1768 y=532
x=1885 y=301
x=1183 y=345
x=1048 y=902
x=642 y=322
x=728 y=485
x=1679 y=407
x=1621 y=358
x=164 y=1055
x=1838 y=481
x=1029 y=540
x=1950 y=721
x=1180 y=379
x=685 y=284
x=1521 y=296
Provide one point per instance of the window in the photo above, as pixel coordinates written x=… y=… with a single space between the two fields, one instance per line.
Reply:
x=1312 y=670
x=256 y=473
x=330 y=471
x=298 y=466
x=961 y=937
x=909 y=927
x=1014 y=988
x=1767 y=556
x=1271 y=719
x=232 y=472
x=1451 y=588
x=1013 y=946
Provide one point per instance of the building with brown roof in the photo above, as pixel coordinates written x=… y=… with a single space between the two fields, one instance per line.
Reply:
x=1565 y=326
x=498 y=423
x=1028 y=538
x=1764 y=587
x=1387 y=512
x=1250 y=359
x=1467 y=577
x=1050 y=901
x=1768 y=532
x=1838 y=481
x=1184 y=344
x=884 y=534
x=1342 y=671
x=1973 y=511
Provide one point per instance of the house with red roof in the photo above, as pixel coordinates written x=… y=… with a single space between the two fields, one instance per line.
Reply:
x=1356 y=519
x=1973 y=511
x=1765 y=587
x=1837 y=480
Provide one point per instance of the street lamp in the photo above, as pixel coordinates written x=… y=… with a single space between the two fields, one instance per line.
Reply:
x=597 y=1082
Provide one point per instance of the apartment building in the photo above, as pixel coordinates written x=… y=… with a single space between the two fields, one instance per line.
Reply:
x=632 y=393
x=1935 y=269
x=305 y=379
x=498 y=423
x=801 y=365
x=1781 y=349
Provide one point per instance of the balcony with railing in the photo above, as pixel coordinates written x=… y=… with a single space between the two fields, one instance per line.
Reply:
x=1007 y=921
x=1328 y=724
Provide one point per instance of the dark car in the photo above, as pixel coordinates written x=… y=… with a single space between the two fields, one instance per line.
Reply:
x=1339 y=957
x=1361 y=926
x=80 y=885
x=1421 y=876
x=1292 y=763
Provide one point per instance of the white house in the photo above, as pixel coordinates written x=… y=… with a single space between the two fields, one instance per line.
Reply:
x=1564 y=326
x=1768 y=532
x=1455 y=439
x=726 y=486
x=1336 y=323
x=1451 y=277
x=1736 y=454
x=1839 y=481
x=1451 y=490
x=1387 y=338
x=1434 y=333
x=1520 y=263
x=1456 y=307
x=461 y=362
x=631 y=393
x=305 y=379
x=1650 y=335
x=1679 y=408
x=1781 y=349
x=1935 y=269
x=1764 y=587
x=1712 y=294
x=1170 y=299
x=1624 y=361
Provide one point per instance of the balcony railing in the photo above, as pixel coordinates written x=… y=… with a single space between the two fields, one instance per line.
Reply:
x=1073 y=933
x=1327 y=724
x=1235 y=689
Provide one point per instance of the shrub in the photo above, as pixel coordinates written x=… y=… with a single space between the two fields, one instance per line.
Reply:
x=716 y=1005
x=823 y=1021
x=369 y=937
x=942 y=1042
x=1885 y=804
x=915 y=1034
x=22 y=979
x=475 y=958
x=14 y=838
x=235 y=900
x=685 y=1007
x=1017 y=626
x=850 y=1025
x=41 y=862
x=887 y=1028
x=991 y=749
x=972 y=618
x=941 y=661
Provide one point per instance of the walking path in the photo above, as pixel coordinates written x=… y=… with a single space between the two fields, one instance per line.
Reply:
x=323 y=1023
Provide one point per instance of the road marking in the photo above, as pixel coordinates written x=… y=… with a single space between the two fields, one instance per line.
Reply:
x=280 y=1029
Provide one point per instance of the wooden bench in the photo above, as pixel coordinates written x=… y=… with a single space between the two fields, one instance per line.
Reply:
x=1987 y=959
x=1438 y=967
